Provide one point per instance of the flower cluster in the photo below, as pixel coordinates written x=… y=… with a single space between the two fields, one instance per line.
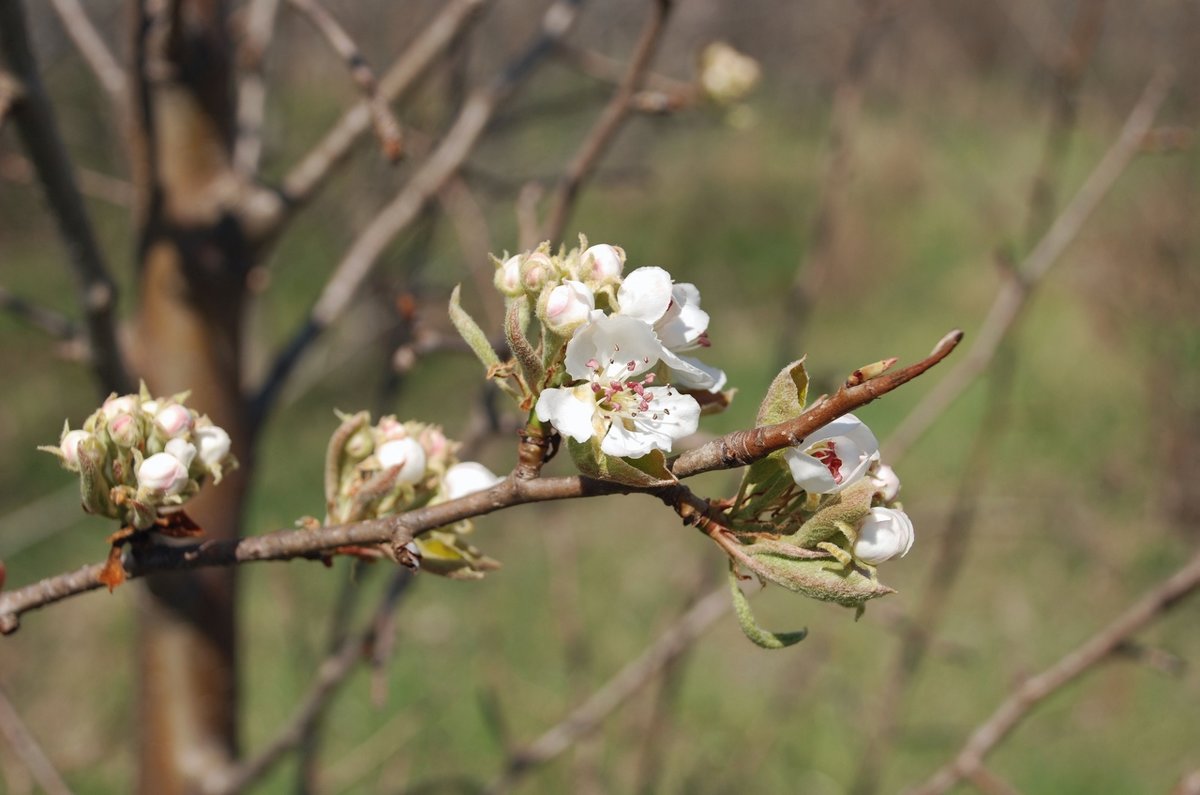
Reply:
x=615 y=358
x=392 y=467
x=727 y=75
x=139 y=458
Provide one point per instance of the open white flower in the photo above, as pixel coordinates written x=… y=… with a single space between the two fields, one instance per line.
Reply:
x=631 y=416
x=886 y=533
x=835 y=456
x=673 y=311
x=468 y=477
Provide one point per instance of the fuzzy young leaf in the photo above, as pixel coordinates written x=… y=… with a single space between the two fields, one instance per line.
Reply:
x=757 y=635
x=470 y=332
x=786 y=396
x=844 y=510
x=518 y=343
x=824 y=579
x=649 y=470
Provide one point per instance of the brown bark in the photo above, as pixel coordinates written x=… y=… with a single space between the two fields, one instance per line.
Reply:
x=192 y=260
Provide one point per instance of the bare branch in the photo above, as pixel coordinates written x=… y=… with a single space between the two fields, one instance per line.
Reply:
x=609 y=122
x=1070 y=667
x=387 y=128
x=10 y=93
x=53 y=323
x=304 y=179
x=34 y=120
x=257 y=33
x=331 y=674
x=92 y=184
x=610 y=70
x=732 y=450
x=26 y=747
x=95 y=52
x=1012 y=298
x=441 y=166
x=589 y=715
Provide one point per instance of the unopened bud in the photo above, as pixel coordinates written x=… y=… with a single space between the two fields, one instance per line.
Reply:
x=885 y=534
x=887 y=482
x=162 y=473
x=873 y=370
x=407 y=454
x=125 y=404
x=508 y=276
x=603 y=263
x=568 y=306
x=173 y=420
x=183 y=450
x=212 y=444
x=468 y=477
x=69 y=447
x=536 y=271
x=124 y=430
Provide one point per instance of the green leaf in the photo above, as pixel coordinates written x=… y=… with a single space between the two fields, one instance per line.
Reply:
x=786 y=396
x=846 y=509
x=470 y=332
x=757 y=635
x=649 y=470
x=518 y=343
x=824 y=579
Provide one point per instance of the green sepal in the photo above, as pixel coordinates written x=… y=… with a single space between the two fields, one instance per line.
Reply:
x=649 y=470
x=841 y=513
x=785 y=397
x=757 y=635
x=334 y=458
x=446 y=554
x=94 y=486
x=471 y=333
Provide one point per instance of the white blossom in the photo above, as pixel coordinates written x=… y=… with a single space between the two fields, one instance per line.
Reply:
x=835 y=456
x=885 y=534
x=212 y=444
x=568 y=306
x=408 y=454
x=602 y=263
x=631 y=417
x=173 y=420
x=183 y=450
x=887 y=482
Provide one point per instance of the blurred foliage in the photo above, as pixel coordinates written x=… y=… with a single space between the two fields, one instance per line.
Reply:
x=1087 y=507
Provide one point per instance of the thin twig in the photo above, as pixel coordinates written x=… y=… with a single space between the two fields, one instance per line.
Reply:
x=10 y=94
x=27 y=748
x=301 y=183
x=331 y=674
x=607 y=124
x=257 y=33
x=735 y=449
x=33 y=117
x=1070 y=667
x=387 y=128
x=589 y=715
x=607 y=69
x=1012 y=297
x=95 y=52
x=441 y=165
x=57 y=325
x=92 y=184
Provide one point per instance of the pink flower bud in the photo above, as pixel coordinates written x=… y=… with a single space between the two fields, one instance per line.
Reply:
x=125 y=404
x=603 y=263
x=162 y=473
x=568 y=306
x=536 y=271
x=390 y=428
x=434 y=442
x=123 y=428
x=406 y=454
x=69 y=446
x=508 y=276
x=173 y=419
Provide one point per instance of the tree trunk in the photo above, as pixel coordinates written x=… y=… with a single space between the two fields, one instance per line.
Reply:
x=193 y=258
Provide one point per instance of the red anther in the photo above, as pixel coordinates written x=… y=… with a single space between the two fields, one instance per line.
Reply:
x=703 y=341
x=631 y=366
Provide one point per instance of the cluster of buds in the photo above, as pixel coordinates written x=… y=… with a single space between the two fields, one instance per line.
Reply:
x=390 y=467
x=612 y=369
x=819 y=518
x=140 y=458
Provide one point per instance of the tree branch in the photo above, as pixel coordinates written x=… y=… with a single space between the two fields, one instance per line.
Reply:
x=1012 y=298
x=588 y=716
x=92 y=184
x=257 y=33
x=33 y=117
x=1070 y=667
x=23 y=743
x=301 y=183
x=732 y=450
x=95 y=52
x=441 y=166
x=57 y=325
x=609 y=122
x=387 y=128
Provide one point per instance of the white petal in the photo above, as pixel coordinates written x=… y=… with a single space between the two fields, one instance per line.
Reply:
x=468 y=477
x=809 y=473
x=625 y=443
x=645 y=294
x=570 y=415
x=603 y=262
x=613 y=341
x=671 y=416
x=885 y=534
x=697 y=375
x=213 y=443
x=183 y=450
x=685 y=322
